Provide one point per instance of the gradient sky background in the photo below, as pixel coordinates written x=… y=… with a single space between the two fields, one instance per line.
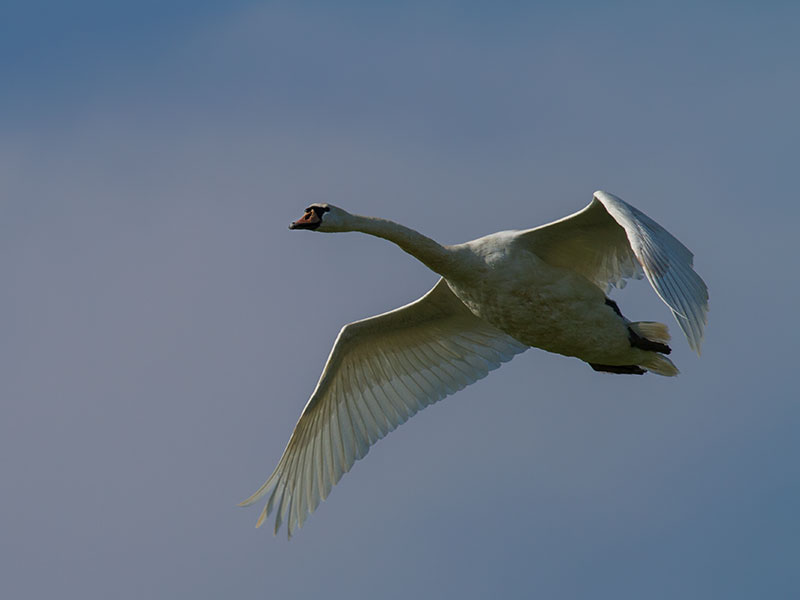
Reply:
x=162 y=328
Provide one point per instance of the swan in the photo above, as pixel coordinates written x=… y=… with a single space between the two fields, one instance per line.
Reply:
x=498 y=295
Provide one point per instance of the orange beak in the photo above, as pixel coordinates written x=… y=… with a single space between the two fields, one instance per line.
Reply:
x=308 y=221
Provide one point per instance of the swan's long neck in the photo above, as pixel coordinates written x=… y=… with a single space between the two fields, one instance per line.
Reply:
x=436 y=257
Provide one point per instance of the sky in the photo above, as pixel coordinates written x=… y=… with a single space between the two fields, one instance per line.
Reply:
x=162 y=328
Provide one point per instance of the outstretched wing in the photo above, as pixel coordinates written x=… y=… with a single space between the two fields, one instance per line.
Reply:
x=380 y=372
x=610 y=240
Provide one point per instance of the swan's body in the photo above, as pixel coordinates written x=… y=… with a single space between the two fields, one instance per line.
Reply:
x=499 y=295
x=540 y=305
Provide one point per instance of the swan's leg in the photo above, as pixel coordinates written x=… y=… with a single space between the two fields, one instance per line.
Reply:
x=619 y=369
x=636 y=340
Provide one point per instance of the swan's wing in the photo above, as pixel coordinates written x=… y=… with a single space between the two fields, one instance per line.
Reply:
x=610 y=240
x=380 y=372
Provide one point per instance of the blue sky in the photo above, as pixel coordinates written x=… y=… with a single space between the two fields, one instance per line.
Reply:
x=163 y=328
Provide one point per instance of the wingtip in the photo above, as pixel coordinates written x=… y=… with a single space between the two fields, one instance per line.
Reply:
x=259 y=493
x=696 y=344
x=261 y=518
x=249 y=501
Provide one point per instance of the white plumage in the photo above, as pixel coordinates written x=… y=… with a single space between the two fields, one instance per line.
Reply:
x=498 y=295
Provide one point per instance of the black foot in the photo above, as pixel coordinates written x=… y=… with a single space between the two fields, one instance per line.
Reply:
x=619 y=369
x=638 y=341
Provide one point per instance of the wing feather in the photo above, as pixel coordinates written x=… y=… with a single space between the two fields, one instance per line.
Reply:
x=381 y=371
x=610 y=241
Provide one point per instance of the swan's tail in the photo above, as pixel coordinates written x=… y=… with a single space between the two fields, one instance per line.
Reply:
x=655 y=332
x=660 y=364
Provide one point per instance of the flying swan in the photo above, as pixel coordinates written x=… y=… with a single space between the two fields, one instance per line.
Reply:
x=498 y=295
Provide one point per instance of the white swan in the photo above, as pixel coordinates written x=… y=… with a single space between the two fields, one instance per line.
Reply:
x=498 y=295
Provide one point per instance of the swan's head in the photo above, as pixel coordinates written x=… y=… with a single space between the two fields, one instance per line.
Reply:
x=324 y=217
